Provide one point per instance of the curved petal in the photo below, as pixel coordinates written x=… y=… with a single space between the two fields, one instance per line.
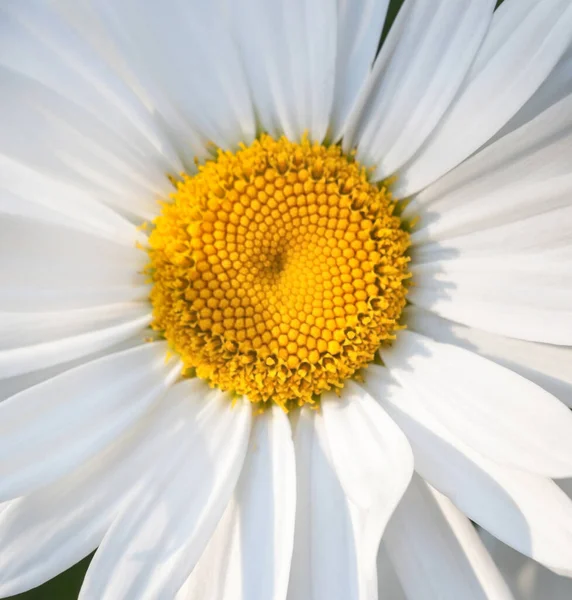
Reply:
x=524 y=174
x=558 y=85
x=91 y=124
x=324 y=560
x=38 y=43
x=46 y=532
x=75 y=147
x=493 y=410
x=388 y=584
x=88 y=407
x=290 y=63
x=155 y=542
x=422 y=64
x=27 y=192
x=528 y=579
x=429 y=537
x=373 y=462
x=194 y=77
x=493 y=248
x=360 y=23
x=27 y=358
x=370 y=454
x=32 y=328
x=251 y=549
x=47 y=267
x=526 y=296
x=525 y=41
x=14 y=385
x=526 y=511
x=547 y=366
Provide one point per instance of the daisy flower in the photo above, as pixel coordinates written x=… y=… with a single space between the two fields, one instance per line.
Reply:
x=271 y=298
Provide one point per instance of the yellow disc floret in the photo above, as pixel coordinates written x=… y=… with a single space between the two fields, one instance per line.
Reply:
x=278 y=270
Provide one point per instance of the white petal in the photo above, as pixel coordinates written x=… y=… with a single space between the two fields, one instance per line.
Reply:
x=27 y=192
x=359 y=28
x=526 y=311
x=14 y=385
x=193 y=77
x=46 y=532
x=37 y=42
x=373 y=463
x=250 y=552
x=558 y=85
x=526 y=511
x=388 y=584
x=525 y=41
x=64 y=91
x=50 y=428
x=47 y=267
x=547 y=366
x=521 y=175
x=421 y=66
x=75 y=147
x=535 y=288
x=288 y=48
x=155 y=542
x=324 y=561
x=24 y=358
x=436 y=551
x=495 y=411
x=528 y=579
x=371 y=456
x=31 y=328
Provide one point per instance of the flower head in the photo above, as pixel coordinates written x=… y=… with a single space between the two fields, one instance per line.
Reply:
x=281 y=315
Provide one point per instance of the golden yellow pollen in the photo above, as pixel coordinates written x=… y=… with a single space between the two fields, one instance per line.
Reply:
x=278 y=270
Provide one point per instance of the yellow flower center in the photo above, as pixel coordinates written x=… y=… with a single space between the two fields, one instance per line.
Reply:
x=278 y=270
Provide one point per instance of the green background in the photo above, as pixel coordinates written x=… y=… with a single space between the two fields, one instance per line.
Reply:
x=67 y=585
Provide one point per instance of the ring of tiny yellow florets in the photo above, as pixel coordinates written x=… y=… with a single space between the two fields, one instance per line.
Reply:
x=278 y=270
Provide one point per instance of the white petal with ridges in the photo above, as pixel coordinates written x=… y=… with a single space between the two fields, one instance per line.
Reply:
x=495 y=411
x=47 y=267
x=251 y=549
x=558 y=85
x=429 y=537
x=156 y=541
x=27 y=192
x=359 y=28
x=421 y=66
x=481 y=292
x=13 y=385
x=324 y=560
x=511 y=306
x=48 y=531
x=27 y=358
x=526 y=511
x=526 y=40
x=37 y=42
x=88 y=407
x=547 y=366
x=76 y=147
x=373 y=463
x=388 y=584
x=194 y=78
x=521 y=175
x=371 y=456
x=31 y=328
x=528 y=579
x=290 y=62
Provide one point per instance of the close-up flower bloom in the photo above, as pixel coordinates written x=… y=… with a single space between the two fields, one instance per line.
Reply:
x=285 y=311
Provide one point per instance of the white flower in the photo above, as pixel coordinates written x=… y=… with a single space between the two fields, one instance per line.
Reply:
x=188 y=493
